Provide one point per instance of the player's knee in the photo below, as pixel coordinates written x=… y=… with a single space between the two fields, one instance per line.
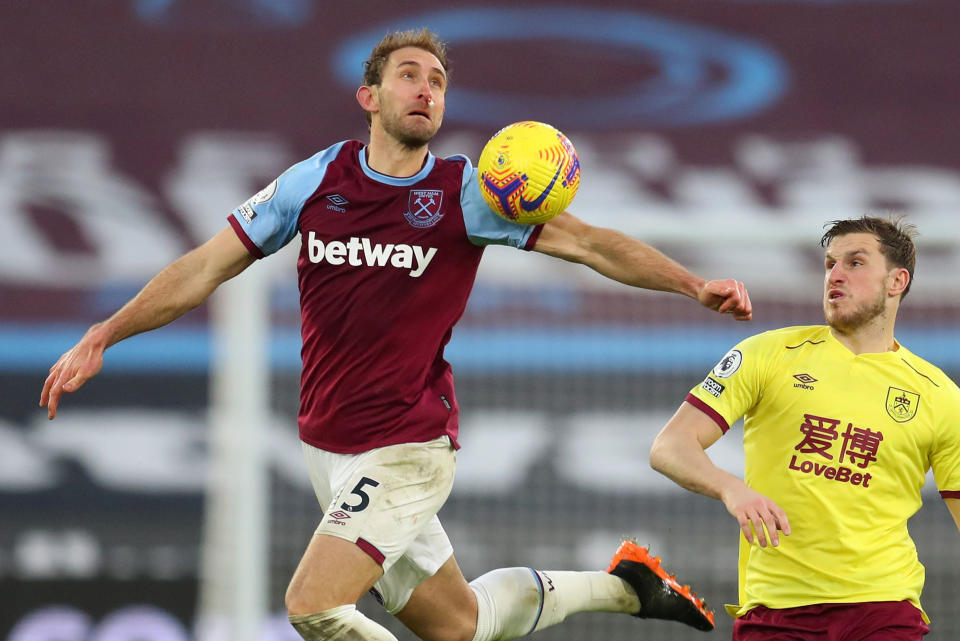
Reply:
x=342 y=623
x=299 y=602
x=292 y=601
x=302 y=598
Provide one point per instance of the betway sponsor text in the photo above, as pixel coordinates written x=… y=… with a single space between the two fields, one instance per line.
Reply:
x=359 y=252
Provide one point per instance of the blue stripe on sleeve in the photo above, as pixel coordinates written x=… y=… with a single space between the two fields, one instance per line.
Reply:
x=484 y=227
x=273 y=223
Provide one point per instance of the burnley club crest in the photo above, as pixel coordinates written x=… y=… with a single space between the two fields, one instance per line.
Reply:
x=901 y=404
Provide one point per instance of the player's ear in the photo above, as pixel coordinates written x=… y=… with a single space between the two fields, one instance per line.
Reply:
x=368 y=99
x=899 y=279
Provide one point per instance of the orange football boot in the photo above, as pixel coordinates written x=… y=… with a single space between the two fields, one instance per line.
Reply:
x=661 y=596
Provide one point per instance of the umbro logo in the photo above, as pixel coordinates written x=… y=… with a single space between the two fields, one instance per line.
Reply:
x=805 y=381
x=337 y=203
x=338 y=518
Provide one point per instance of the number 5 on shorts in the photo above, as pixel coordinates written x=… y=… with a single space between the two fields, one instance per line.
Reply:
x=364 y=497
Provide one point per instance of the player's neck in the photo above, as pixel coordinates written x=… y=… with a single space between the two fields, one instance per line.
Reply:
x=873 y=338
x=387 y=156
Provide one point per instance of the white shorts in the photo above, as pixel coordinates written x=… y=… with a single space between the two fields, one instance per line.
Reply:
x=386 y=501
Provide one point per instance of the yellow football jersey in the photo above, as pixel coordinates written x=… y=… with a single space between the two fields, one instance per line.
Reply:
x=842 y=442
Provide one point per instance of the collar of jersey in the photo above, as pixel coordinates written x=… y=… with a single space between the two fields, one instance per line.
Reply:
x=393 y=180
x=872 y=356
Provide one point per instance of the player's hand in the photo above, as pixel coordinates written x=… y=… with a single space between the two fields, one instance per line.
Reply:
x=756 y=513
x=72 y=370
x=727 y=297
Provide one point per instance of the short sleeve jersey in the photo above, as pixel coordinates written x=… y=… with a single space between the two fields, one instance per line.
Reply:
x=842 y=442
x=385 y=269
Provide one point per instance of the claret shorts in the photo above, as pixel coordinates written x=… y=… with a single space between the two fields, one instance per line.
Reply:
x=876 y=621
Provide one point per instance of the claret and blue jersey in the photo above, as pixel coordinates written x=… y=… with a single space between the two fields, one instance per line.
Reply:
x=385 y=269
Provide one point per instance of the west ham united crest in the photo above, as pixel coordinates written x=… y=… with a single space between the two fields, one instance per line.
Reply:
x=901 y=404
x=423 y=207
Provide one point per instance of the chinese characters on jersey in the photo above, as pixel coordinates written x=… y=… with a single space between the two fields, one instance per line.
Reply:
x=820 y=437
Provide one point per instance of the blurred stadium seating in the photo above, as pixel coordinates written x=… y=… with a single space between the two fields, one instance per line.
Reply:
x=725 y=133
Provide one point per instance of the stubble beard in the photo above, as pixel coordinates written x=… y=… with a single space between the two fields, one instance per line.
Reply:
x=410 y=137
x=858 y=318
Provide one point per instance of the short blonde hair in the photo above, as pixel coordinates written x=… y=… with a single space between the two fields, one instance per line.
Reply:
x=420 y=38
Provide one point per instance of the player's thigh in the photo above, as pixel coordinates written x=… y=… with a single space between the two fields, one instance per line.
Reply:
x=382 y=503
x=442 y=607
x=332 y=572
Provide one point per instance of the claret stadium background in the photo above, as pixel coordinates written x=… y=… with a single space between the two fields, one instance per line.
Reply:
x=724 y=132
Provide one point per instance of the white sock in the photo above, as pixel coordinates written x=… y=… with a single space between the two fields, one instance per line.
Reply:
x=343 y=623
x=513 y=602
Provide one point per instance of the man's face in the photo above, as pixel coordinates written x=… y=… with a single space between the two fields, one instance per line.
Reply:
x=411 y=96
x=855 y=287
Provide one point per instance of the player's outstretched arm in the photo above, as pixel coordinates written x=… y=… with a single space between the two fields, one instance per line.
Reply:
x=678 y=453
x=629 y=261
x=178 y=288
